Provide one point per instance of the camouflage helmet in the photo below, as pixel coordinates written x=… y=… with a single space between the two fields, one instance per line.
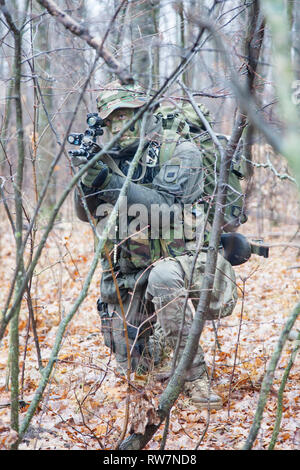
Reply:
x=115 y=95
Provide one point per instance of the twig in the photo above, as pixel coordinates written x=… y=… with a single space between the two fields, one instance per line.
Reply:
x=237 y=344
x=126 y=341
x=75 y=28
x=280 y=394
x=9 y=216
x=268 y=378
x=85 y=424
x=281 y=176
x=112 y=22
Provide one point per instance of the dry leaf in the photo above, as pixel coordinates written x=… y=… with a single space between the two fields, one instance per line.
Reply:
x=144 y=413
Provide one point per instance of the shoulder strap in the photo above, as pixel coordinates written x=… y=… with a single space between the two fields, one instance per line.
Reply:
x=110 y=162
x=174 y=128
x=169 y=142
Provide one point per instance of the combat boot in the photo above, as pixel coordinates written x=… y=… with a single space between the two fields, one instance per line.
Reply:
x=201 y=395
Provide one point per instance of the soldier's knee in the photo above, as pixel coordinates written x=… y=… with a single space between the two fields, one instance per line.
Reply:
x=165 y=277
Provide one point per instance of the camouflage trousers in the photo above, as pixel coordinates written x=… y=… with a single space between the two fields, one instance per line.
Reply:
x=163 y=300
x=167 y=289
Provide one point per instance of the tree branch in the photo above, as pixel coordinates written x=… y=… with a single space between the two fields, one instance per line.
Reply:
x=83 y=33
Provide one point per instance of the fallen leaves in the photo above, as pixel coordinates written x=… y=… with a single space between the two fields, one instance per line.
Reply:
x=84 y=404
x=143 y=413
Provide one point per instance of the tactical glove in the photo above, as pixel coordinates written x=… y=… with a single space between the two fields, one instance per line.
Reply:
x=95 y=175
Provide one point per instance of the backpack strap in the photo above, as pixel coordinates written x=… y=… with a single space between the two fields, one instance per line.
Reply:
x=110 y=162
x=174 y=128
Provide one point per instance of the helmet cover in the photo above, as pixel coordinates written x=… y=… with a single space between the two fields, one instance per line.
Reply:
x=115 y=96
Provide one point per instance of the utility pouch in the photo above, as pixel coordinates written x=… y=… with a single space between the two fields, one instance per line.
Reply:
x=106 y=324
x=130 y=281
x=113 y=330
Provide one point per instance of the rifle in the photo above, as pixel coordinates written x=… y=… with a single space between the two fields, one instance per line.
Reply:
x=87 y=140
x=88 y=146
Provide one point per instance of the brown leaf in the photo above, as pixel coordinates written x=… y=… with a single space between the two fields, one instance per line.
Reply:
x=144 y=413
x=11 y=438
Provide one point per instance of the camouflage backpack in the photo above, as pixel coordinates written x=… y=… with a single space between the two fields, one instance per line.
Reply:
x=185 y=123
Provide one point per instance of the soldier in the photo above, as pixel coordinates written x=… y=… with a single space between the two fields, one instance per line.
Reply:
x=152 y=272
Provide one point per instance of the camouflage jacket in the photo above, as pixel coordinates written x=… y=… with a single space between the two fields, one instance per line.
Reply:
x=164 y=191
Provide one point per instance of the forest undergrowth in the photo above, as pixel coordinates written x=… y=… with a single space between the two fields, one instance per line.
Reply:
x=84 y=404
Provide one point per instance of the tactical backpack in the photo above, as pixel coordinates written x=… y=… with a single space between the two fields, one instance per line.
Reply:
x=184 y=123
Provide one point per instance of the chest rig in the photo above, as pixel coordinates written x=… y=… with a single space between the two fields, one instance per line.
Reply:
x=140 y=252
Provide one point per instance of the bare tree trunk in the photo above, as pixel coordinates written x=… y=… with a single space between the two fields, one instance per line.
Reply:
x=18 y=187
x=83 y=33
x=294 y=20
x=45 y=149
x=14 y=327
x=5 y=127
x=143 y=36
x=254 y=43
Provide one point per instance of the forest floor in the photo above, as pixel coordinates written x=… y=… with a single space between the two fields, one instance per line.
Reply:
x=84 y=404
